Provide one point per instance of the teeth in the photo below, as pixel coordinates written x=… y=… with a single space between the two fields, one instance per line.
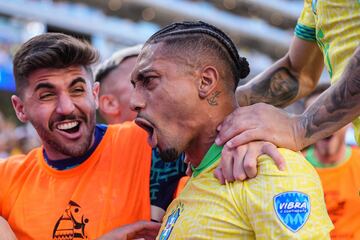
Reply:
x=66 y=126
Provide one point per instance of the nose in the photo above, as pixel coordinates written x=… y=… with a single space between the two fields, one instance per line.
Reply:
x=137 y=101
x=65 y=105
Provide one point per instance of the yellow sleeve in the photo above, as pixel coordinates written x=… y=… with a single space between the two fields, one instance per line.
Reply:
x=288 y=204
x=305 y=27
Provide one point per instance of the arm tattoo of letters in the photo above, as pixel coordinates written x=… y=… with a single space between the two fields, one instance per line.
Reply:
x=278 y=89
x=212 y=100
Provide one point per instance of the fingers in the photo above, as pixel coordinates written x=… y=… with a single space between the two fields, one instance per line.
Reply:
x=188 y=171
x=231 y=165
x=250 y=160
x=227 y=163
x=238 y=170
x=227 y=132
x=218 y=174
x=245 y=137
x=150 y=226
x=244 y=119
x=144 y=230
x=271 y=150
x=231 y=126
x=240 y=163
x=140 y=229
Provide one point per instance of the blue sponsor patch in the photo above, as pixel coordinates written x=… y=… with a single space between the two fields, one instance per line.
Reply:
x=293 y=209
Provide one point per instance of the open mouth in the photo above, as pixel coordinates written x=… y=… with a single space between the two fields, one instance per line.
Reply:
x=69 y=127
x=149 y=128
x=146 y=125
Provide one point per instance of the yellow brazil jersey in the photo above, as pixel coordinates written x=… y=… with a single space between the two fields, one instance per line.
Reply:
x=274 y=205
x=335 y=26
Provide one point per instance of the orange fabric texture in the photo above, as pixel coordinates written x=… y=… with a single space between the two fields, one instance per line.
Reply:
x=109 y=189
x=341 y=186
x=181 y=185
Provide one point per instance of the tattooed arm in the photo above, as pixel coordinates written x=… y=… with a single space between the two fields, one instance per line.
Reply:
x=335 y=107
x=287 y=80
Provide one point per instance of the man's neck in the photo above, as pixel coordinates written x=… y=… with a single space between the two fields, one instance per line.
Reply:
x=113 y=120
x=196 y=152
x=339 y=156
x=200 y=146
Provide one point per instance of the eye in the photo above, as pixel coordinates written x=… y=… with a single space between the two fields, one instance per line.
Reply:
x=148 y=81
x=46 y=96
x=77 y=90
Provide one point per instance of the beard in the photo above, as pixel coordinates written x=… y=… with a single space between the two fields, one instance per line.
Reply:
x=71 y=149
x=169 y=155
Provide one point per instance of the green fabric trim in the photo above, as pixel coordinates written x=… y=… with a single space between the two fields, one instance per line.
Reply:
x=310 y=156
x=210 y=157
x=305 y=32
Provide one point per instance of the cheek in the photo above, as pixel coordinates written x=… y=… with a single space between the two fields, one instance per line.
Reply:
x=88 y=104
x=181 y=99
x=39 y=112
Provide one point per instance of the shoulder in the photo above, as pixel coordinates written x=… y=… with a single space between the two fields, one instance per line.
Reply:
x=17 y=161
x=298 y=176
x=295 y=162
x=127 y=129
x=14 y=166
x=127 y=137
x=281 y=197
x=11 y=163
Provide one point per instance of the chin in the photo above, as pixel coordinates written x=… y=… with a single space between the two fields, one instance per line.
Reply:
x=169 y=155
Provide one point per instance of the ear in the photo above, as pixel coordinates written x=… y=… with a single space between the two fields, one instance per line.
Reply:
x=109 y=105
x=19 y=108
x=95 y=92
x=209 y=79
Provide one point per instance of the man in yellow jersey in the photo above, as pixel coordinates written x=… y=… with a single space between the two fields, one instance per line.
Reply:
x=184 y=82
x=338 y=166
x=328 y=31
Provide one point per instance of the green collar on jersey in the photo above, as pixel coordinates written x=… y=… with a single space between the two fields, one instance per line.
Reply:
x=210 y=157
x=310 y=156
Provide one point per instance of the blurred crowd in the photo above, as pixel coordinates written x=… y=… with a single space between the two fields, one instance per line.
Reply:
x=16 y=139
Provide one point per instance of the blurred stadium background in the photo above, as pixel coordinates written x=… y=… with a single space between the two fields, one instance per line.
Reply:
x=261 y=29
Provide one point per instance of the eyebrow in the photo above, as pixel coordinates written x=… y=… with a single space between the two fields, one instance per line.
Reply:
x=44 y=85
x=140 y=74
x=51 y=86
x=77 y=80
